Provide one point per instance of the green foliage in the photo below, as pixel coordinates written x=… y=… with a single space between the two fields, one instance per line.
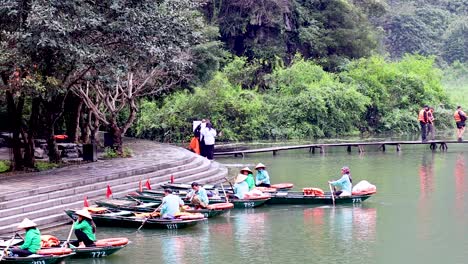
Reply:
x=455 y=82
x=127 y=152
x=329 y=31
x=43 y=165
x=397 y=91
x=4 y=166
x=303 y=101
x=110 y=153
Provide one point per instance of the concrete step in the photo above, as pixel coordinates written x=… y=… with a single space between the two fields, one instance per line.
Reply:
x=49 y=212
x=71 y=183
x=194 y=165
x=43 y=222
x=93 y=190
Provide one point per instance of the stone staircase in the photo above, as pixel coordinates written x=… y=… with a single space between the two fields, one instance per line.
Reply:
x=45 y=204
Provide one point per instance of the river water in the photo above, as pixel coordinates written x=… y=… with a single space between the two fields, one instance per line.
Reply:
x=419 y=215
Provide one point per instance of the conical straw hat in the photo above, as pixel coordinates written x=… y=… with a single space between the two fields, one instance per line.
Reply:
x=84 y=213
x=260 y=165
x=241 y=178
x=26 y=223
x=246 y=169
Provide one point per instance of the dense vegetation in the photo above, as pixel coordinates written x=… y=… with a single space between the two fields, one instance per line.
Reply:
x=259 y=69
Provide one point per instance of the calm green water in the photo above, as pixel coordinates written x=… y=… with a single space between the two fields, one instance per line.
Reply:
x=419 y=215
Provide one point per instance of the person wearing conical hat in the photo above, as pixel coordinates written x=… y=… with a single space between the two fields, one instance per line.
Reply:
x=250 y=179
x=85 y=229
x=241 y=187
x=32 y=239
x=262 y=179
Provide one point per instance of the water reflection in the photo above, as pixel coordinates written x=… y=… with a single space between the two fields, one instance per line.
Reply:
x=426 y=176
x=460 y=188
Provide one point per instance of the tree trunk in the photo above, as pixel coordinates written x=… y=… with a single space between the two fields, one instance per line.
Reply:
x=73 y=105
x=116 y=133
x=53 y=154
x=15 y=112
x=84 y=125
x=29 y=159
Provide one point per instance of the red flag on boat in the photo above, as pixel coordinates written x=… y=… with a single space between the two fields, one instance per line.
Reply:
x=108 y=192
x=85 y=202
x=172 y=178
x=140 y=186
x=148 y=185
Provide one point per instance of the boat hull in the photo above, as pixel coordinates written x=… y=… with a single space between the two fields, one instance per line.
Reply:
x=299 y=198
x=36 y=260
x=124 y=219
x=96 y=252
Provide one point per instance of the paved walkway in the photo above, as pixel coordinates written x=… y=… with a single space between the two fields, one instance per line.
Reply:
x=146 y=154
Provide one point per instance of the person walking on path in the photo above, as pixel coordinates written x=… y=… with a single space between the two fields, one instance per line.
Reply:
x=430 y=124
x=32 y=239
x=460 y=118
x=208 y=134
x=422 y=118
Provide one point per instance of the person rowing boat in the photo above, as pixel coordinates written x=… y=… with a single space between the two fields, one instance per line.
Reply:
x=170 y=205
x=198 y=196
x=85 y=229
x=344 y=183
x=32 y=240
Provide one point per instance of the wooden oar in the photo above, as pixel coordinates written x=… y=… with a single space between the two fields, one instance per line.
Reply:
x=146 y=219
x=227 y=199
x=6 y=249
x=232 y=187
x=69 y=235
x=332 y=195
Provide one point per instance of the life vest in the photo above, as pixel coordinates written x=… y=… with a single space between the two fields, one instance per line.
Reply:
x=422 y=116
x=458 y=117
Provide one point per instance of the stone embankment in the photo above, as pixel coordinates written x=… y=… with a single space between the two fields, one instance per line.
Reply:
x=43 y=196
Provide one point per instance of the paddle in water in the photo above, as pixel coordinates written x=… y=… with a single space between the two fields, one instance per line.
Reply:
x=8 y=247
x=331 y=193
x=69 y=235
x=146 y=219
x=225 y=196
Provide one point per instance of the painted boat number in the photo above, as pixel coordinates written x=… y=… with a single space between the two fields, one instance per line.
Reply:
x=171 y=226
x=357 y=200
x=38 y=262
x=249 y=204
x=98 y=254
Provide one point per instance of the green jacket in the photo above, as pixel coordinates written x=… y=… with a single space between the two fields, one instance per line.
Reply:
x=86 y=227
x=250 y=181
x=32 y=240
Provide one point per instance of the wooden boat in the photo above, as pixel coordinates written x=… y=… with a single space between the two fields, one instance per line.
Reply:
x=296 y=198
x=238 y=203
x=129 y=205
x=103 y=248
x=128 y=219
x=36 y=259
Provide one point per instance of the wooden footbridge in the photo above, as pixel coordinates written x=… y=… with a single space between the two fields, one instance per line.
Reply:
x=321 y=147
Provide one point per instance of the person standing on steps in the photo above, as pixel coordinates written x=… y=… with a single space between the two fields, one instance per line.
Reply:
x=460 y=118
x=197 y=134
x=422 y=118
x=208 y=134
x=430 y=124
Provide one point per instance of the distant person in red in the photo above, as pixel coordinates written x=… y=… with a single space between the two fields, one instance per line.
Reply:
x=430 y=124
x=460 y=118
x=423 y=120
